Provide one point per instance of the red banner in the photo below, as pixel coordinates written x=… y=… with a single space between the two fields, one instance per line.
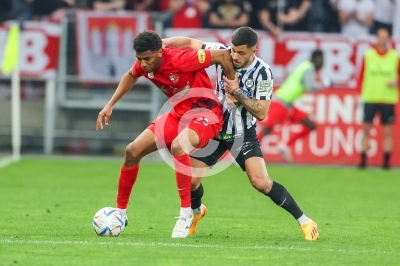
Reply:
x=342 y=55
x=337 y=139
x=104 y=43
x=39 y=48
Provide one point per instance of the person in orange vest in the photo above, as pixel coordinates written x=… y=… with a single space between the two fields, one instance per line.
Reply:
x=378 y=85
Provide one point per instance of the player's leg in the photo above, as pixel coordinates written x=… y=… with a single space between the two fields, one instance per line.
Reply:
x=251 y=160
x=307 y=125
x=388 y=118
x=181 y=146
x=144 y=144
x=387 y=145
x=196 y=134
x=276 y=115
x=199 y=170
x=368 y=117
x=202 y=160
x=261 y=181
x=199 y=210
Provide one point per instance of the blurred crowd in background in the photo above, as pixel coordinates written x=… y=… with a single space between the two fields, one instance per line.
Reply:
x=353 y=18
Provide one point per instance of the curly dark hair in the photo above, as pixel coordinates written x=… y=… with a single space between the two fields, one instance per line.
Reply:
x=147 y=40
x=244 y=36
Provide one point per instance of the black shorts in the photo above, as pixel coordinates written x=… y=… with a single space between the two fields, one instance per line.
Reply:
x=386 y=111
x=241 y=148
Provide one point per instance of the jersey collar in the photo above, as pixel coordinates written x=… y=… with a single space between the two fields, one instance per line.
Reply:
x=240 y=70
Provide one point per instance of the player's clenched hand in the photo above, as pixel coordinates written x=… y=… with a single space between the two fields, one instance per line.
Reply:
x=231 y=85
x=104 y=115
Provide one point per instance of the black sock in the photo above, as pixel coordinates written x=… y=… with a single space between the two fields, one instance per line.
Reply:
x=281 y=197
x=363 y=162
x=196 y=197
x=386 y=159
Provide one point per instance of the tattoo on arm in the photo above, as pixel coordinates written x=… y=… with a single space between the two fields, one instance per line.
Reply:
x=251 y=105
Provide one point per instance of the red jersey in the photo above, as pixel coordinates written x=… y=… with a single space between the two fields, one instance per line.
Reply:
x=183 y=69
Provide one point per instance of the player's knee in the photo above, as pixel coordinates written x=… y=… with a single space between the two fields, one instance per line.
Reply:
x=261 y=183
x=133 y=151
x=195 y=183
x=387 y=134
x=176 y=148
x=266 y=130
x=312 y=126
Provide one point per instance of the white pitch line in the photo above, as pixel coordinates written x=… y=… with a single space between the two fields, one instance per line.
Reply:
x=158 y=244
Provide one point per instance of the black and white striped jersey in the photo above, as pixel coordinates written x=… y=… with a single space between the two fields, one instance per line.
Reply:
x=255 y=81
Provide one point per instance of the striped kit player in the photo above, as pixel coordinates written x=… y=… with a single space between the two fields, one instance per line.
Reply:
x=245 y=100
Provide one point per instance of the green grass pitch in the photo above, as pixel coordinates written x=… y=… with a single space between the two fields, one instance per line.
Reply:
x=47 y=208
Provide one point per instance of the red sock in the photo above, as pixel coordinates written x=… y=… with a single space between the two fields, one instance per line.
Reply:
x=127 y=179
x=303 y=132
x=183 y=174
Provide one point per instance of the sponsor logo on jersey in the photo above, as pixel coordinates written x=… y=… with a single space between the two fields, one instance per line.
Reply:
x=265 y=86
x=249 y=83
x=174 y=78
x=202 y=120
x=246 y=92
x=201 y=55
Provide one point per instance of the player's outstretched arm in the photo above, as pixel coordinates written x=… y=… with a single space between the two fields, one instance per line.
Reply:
x=126 y=83
x=311 y=84
x=182 y=42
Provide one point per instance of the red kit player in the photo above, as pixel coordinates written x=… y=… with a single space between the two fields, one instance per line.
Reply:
x=196 y=116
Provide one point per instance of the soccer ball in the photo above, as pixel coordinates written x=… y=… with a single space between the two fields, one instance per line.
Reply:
x=108 y=221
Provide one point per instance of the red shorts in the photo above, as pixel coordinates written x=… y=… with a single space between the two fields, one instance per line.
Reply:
x=167 y=127
x=278 y=112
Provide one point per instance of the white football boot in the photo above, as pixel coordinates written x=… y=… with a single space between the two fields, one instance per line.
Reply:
x=182 y=226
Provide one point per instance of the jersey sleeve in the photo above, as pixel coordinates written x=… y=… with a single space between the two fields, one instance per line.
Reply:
x=213 y=46
x=310 y=82
x=137 y=70
x=264 y=85
x=192 y=60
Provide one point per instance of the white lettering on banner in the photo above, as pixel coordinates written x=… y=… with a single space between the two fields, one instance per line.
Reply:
x=342 y=55
x=321 y=107
x=332 y=140
x=38 y=48
x=343 y=109
x=330 y=108
x=266 y=51
x=303 y=51
x=326 y=146
x=337 y=63
x=33 y=57
x=343 y=140
x=338 y=133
